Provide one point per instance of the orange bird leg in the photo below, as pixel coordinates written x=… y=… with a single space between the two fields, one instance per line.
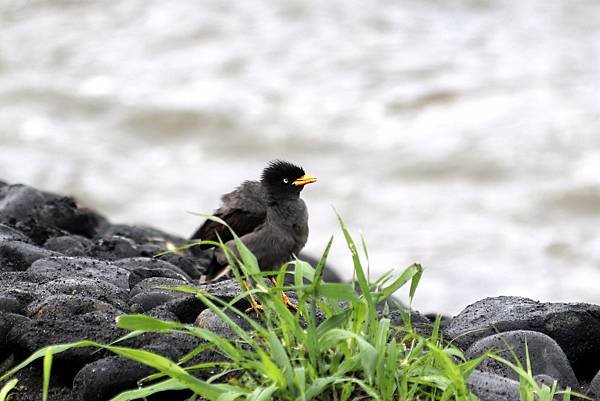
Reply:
x=255 y=306
x=284 y=297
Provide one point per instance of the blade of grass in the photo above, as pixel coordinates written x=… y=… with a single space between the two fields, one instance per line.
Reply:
x=409 y=273
x=47 y=370
x=169 y=384
x=164 y=365
x=360 y=275
x=7 y=388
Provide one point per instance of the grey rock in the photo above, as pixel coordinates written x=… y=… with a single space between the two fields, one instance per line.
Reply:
x=63 y=212
x=69 y=267
x=545 y=380
x=103 y=379
x=10 y=303
x=149 y=263
x=419 y=322
x=70 y=245
x=17 y=255
x=107 y=377
x=8 y=233
x=142 y=273
x=7 y=322
x=150 y=250
x=23 y=287
x=545 y=355
x=186 y=308
x=86 y=287
x=595 y=386
x=55 y=329
x=574 y=326
x=151 y=284
x=161 y=312
x=113 y=248
x=142 y=268
x=225 y=290
x=66 y=305
x=186 y=263
x=20 y=203
x=146 y=301
x=491 y=387
x=209 y=320
x=141 y=234
x=30 y=384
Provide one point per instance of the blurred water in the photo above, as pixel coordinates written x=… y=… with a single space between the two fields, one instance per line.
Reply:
x=461 y=134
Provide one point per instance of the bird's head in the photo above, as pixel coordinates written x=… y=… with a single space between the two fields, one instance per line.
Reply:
x=281 y=178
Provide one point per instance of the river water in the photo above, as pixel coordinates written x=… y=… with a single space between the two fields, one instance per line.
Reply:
x=461 y=134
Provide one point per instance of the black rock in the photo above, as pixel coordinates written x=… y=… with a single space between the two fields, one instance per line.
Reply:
x=33 y=208
x=36 y=232
x=7 y=322
x=491 y=387
x=69 y=267
x=19 y=202
x=70 y=245
x=143 y=268
x=186 y=308
x=103 y=379
x=160 y=312
x=575 y=327
x=141 y=234
x=92 y=288
x=29 y=387
x=62 y=305
x=152 y=284
x=10 y=234
x=10 y=303
x=209 y=320
x=63 y=212
x=23 y=287
x=113 y=248
x=225 y=290
x=546 y=356
x=143 y=273
x=150 y=250
x=146 y=301
x=595 y=386
x=420 y=323
x=97 y=326
x=188 y=264
x=17 y=255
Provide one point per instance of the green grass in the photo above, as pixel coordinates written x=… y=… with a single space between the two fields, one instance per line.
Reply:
x=324 y=352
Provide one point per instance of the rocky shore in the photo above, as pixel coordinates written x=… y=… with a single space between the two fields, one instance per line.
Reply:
x=66 y=273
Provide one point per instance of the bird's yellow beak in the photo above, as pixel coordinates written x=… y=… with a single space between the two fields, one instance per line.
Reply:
x=305 y=179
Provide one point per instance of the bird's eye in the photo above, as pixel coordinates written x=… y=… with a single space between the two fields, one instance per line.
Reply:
x=285 y=180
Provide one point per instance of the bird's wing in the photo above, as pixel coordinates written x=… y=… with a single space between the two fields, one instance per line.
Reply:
x=243 y=210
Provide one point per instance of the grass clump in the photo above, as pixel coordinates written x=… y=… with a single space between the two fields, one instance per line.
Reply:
x=339 y=346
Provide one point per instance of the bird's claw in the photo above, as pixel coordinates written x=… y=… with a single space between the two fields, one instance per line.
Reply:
x=288 y=302
x=257 y=308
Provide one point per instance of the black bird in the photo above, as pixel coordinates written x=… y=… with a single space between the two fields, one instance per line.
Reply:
x=268 y=215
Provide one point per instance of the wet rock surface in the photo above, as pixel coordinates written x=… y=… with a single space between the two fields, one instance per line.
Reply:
x=492 y=387
x=67 y=273
x=18 y=255
x=574 y=326
x=545 y=355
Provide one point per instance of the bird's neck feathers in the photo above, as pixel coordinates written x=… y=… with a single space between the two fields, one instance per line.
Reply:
x=279 y=197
